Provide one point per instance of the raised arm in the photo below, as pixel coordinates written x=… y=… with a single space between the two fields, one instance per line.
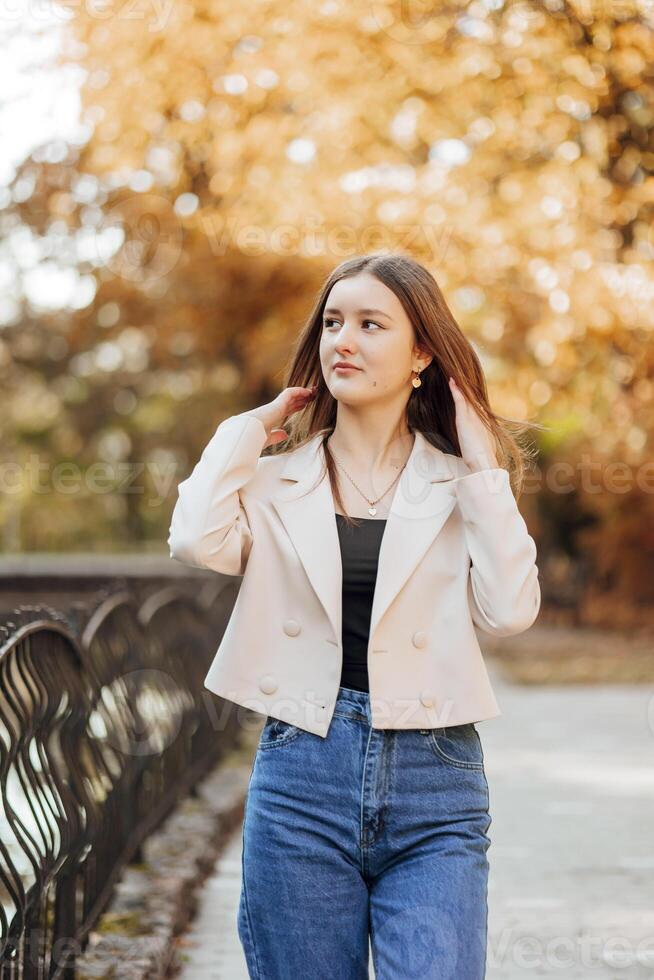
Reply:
x=503 y=588
x=209 y=527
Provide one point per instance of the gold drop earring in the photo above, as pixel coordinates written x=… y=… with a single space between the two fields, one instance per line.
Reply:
x=416 y=382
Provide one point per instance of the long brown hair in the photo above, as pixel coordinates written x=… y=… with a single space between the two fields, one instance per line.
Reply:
x=430 y=408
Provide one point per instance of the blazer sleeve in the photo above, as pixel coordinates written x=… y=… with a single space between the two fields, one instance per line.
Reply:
x=209 y=526
x=503 y=587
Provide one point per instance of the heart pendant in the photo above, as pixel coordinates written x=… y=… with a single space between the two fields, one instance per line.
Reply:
x=372 y=511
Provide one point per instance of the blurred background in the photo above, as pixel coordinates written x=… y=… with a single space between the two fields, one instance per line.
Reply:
x=178 y=176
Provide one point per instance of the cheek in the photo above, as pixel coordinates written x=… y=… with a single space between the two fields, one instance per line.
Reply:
x=390 y=362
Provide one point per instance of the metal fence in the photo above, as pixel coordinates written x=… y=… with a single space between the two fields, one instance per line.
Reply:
x=103 y=728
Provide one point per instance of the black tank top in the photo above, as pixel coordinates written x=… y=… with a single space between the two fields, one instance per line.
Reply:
x=360 y=555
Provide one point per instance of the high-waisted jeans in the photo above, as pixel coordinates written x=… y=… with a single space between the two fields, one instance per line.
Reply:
x=365 y=835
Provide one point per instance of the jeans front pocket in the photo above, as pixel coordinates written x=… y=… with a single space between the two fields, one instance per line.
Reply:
x=458 y=745
x=276 y=732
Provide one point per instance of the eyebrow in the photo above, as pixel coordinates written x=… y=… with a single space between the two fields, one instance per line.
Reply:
x=333 y=309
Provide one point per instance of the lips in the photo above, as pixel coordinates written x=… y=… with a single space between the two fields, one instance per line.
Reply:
x=350 y=367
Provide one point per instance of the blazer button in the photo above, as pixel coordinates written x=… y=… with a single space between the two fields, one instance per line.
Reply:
x=268 y=684
x=419 y=639
x=292 y=627
x=427 y=699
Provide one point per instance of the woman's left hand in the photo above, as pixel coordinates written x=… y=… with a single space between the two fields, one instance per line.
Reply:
x=476 y=442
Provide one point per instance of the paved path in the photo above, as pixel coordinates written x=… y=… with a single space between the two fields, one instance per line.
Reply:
x=571 y=891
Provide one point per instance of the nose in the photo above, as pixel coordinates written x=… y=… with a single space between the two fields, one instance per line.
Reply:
x=344 y=338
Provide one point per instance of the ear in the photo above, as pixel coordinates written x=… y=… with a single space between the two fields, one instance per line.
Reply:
x=424 y=356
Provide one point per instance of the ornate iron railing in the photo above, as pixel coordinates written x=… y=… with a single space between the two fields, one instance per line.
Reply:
x=103 y=728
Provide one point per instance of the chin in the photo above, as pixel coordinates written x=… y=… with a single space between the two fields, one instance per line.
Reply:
x=356 y=399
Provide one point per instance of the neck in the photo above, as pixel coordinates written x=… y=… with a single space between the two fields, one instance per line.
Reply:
x=371 y=445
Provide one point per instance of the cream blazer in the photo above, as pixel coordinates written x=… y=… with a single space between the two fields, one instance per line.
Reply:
x=455 y=555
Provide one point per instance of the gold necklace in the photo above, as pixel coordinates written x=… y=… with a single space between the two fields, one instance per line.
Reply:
x=372 y=510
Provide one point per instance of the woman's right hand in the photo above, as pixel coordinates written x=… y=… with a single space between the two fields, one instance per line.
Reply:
x=288 y=402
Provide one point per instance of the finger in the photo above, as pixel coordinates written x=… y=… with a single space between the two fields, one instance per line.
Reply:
x=304 y=401
x=458 y=395
x=299 y=400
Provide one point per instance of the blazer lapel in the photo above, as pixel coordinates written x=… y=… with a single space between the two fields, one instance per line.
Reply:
x=308 y=514
x=422 y=501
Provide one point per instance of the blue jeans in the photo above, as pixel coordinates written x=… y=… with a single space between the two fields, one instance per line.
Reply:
x=366 y=834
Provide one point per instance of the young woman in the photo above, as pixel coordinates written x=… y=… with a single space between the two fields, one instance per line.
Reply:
x=370 y=548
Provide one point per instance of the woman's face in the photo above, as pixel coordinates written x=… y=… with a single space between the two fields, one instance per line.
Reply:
x=364 y=324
